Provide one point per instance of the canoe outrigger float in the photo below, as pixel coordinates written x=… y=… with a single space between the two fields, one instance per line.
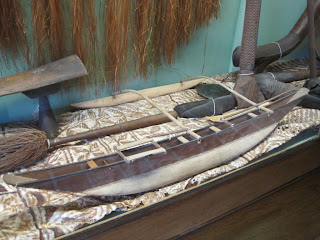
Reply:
x=145 y=164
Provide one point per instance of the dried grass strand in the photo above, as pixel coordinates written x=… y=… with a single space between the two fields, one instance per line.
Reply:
x=55 y=33
x=40 y=34
x=142 y=37
x=169 y=42
x=205 y=11
x=48 y=36
x=127 y=18
x=78 y=29
x=113 y=41
x=78 y=38
x=13 y=39
x=157 y=34
x=91 y=27
x=186 y=15
x=117 y=24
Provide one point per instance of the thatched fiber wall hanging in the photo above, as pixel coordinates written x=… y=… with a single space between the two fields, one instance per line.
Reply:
x=114 y=38
x=13 y=39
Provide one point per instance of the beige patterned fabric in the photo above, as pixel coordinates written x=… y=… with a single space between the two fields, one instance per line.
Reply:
x=34 y=214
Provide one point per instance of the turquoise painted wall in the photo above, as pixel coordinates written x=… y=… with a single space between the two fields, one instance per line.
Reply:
x=223 y=35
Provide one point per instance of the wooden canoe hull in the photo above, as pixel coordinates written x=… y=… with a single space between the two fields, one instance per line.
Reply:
x=179 y=162
x=182 y=169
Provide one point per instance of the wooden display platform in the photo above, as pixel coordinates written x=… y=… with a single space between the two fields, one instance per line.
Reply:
x=199 y=208
x=290 y=212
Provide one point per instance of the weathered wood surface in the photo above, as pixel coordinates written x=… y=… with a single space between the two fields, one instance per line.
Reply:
x=291 y=212
x=55 y=72
x=131 y=97
x=210 y=201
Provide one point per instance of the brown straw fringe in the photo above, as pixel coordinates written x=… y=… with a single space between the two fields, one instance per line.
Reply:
x=156 y=40
x=78 y=29
x=113 y=40
x=91 y=28
x=174 y=23
x=169 y=42
x=40 y=34
x=206 y=10
x=13 y=39
x=142 y=36
x=47 y=31
x=92 y=44
x=127 y=18
x=185 y=21
x=158 y=28
x=117 y=25
x=55 y=33
x=78 y=39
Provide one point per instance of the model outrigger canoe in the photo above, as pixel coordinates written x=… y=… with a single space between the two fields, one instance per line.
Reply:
x=145 y=165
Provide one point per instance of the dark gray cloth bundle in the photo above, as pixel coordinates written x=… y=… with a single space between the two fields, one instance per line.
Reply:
x=268 y=86
x=207 y=107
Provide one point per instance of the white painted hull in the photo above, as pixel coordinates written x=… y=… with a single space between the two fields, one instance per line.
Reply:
x=182 y=160
x=183 y=169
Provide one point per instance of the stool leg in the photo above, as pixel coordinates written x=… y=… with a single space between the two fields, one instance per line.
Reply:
x=47 y=119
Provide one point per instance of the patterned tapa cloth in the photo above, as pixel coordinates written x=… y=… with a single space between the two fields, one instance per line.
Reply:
x=38 y=214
